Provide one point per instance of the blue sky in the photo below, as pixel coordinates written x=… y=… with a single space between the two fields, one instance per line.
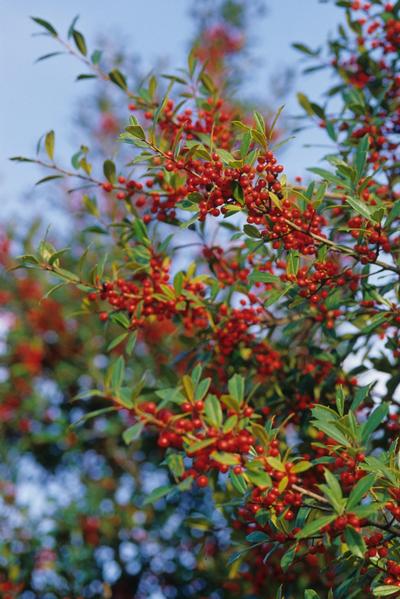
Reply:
x=39 y=97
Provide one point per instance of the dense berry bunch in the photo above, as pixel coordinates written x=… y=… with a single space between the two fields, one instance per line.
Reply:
x=149 y=295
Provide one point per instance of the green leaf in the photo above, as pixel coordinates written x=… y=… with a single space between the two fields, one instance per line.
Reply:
x=208 y=83
x=88 y=394
x=96 y=56
x=186 y=484
x=240 y=125
x=66 y=274
x=385 y=590
x=340 y=399
x=261 y=434
x=276 y=294
x=53 y=290
x=117 y=341
x=355 y=542
x=359 y=491
x=109 y=171
x=361 y=156
x=374 y=323
x=131 y=343
x=328 y=176
x=141 y=231
x=225 y=156
x=263 y=277
x=72 y=26
x=318 y=110
x=305 y=49
x=133 y=433
x=49 y=144
x=279 y=593
x=118 y=78
x=276 y=463
x=236 y=388
x=93 y=414
x=186 y=224
x=311 y=594
x=202 y=389
x=260 y=478
x=324 y=413
x=120 y=318
x=287 y=558
x=333 y=484
x=252 y=231
x=175 y=78
x=293 y=262
x=330 y=130
x=223 y=457
x=49 y=178
x=230 y=402
x=28 y=259
x=49 y=55
x=260 y=138
x=305 y=103
x=188 y=386
x=213 y=411
x=373 y=421
x=46 y=25
x=315 y=526
x=175 y=464
x=359 y=396
x=260 y=122
x=90 y=205
x=238 y=482
x=393 y=214
x=80 y=42
x=365 y=511
x=302 y=466
x=85 y=76
x=257 y=537
x=20 y=159
x=178 y=282
x=136 y=131
x=332 y=431
x=199 y=445
x=359 y=206
x=245 y=144
x=46 y=249
x=57 y=255
x=230 y=424
x=117 y=373
x=192 y=62
x=157 y=494
x=196 y=374
x=275 y=120
x=125 y=397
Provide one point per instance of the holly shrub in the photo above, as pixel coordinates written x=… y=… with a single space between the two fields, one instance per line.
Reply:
x=224 y=318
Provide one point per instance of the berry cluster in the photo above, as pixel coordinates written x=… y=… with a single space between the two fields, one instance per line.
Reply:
x=367 y=233
x=233 y=336
x=149 y=295
x=215 y=45
x=293 y=229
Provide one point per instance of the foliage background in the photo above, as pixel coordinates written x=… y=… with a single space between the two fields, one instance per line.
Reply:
x=56 y=518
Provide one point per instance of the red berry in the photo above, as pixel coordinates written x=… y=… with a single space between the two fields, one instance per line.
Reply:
x=202 y=481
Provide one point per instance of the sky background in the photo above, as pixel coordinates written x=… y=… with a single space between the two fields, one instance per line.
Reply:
x=38 y=97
